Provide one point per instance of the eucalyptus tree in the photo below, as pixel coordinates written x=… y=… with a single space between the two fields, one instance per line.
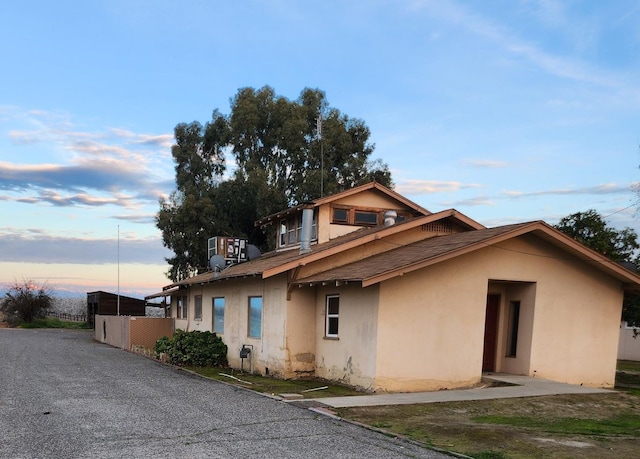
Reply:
x=187 y=218
x=285 y=152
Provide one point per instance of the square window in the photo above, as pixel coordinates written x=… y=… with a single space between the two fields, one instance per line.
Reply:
x=340 y=216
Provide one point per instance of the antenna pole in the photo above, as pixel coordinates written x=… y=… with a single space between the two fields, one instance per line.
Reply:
x=319 y=134
x=118 y=301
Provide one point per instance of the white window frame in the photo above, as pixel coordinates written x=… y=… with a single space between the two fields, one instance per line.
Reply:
x=331 y=315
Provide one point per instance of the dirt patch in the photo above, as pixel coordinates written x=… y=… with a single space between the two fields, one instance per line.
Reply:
x=591 y=426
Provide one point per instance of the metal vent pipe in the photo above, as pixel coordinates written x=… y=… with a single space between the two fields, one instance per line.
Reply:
x=305 y=236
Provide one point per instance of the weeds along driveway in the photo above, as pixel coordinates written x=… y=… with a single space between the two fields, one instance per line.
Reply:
x=67 y=396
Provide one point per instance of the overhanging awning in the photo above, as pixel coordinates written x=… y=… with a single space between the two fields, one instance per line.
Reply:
x=168 y=292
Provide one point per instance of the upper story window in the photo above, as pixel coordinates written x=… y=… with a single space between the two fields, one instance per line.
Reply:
x=291 y=230
x=362 y=216
x=355 y=216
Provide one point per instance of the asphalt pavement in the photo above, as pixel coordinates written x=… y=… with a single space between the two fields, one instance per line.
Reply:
x=63 y=395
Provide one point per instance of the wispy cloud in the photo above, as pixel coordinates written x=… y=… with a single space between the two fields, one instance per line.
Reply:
x=474 y=202
x=431 y=186
x=37 y=246
x=554 y=64
x=115 y=167
x=484 y=163
x=607 y=188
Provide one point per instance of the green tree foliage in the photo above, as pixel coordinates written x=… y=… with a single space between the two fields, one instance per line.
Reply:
x=194 y=348
x=24 y=302
x=281 y=160
x=188 y=217
x=590 y=229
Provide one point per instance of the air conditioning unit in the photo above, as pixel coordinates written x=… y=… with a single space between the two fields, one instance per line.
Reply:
x=232 y=249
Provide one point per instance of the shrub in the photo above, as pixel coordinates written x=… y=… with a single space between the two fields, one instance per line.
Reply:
x=194 y=348
x=25 y=302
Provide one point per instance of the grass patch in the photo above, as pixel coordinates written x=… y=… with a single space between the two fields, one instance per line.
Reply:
x=628 y=365
x=621 y=425
x=489 y=455
x=52 y=322
x=269 y=385
x=592 y=426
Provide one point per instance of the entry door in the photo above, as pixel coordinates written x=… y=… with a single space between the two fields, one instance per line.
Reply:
x=490 y=333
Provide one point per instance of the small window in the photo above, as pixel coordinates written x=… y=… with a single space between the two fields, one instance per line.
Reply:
x=332 y=316
x=514 y=322
x=366 y=218
x=340 y=216
x=255 y=316
x=181 y=307
x=218 y=315
x=198 y=307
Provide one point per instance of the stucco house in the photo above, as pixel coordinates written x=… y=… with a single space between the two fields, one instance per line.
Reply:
x=369 y=289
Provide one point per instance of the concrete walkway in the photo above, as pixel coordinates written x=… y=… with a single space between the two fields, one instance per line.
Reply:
x=523 y=386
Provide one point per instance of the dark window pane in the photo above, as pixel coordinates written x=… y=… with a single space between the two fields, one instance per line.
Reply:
x=333 y=305
x=366 y=218
x=332 y=326
x=340 y=215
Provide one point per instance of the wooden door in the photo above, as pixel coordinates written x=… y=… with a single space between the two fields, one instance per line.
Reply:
x=490 y=333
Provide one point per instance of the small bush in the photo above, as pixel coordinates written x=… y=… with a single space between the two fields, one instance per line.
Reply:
x=194 y=348
x=25 y=302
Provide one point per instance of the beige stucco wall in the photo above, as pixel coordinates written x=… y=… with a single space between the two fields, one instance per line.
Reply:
x=430 y=329
x=127 y=331
x=112 y=330
x=351 y=358
x=268 y=351
x=431 y=322
x=300 y=339
x=628 y=346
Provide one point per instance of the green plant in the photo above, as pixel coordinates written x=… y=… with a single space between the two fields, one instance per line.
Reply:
x=25 y=302
x=46 y=322
x=194 y=348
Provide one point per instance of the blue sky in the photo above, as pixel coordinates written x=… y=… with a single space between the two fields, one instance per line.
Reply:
x=508 y=111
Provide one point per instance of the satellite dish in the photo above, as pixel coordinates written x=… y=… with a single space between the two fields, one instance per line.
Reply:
x=253 y=252
x=217 y=263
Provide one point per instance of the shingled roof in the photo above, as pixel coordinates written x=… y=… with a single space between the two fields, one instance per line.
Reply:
x=405 y=258
x=273 y=263
x=417 y=255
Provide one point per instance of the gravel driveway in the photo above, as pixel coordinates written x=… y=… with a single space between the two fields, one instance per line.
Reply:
x=64 y=395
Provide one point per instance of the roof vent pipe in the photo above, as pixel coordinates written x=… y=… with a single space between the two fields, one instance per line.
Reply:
x=390 y=217
x=305 y=236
